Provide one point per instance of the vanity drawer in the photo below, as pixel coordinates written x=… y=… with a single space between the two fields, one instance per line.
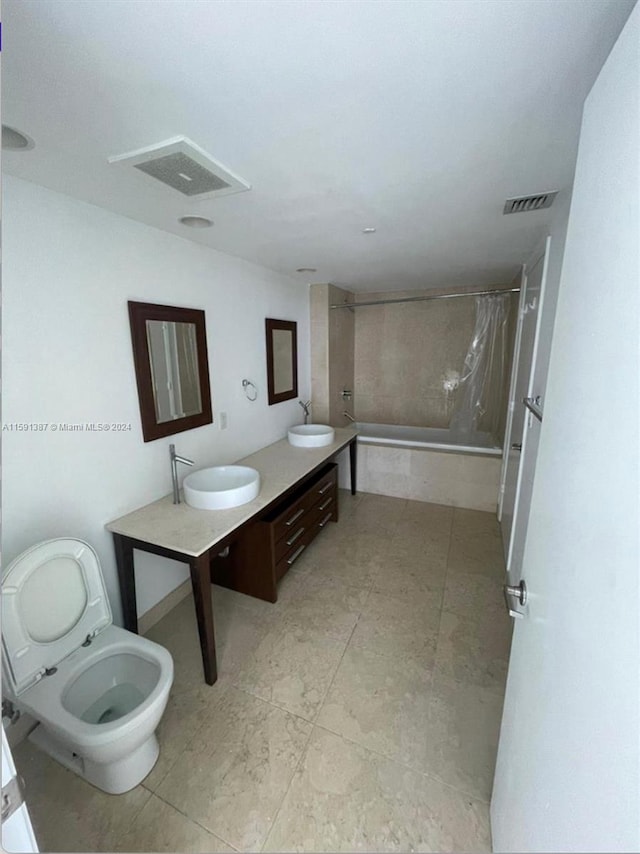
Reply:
x=294 y=526
x=294 y=535
x=321 y=520
x=291 y=518
x=284 y=564
x=325 y=505
x=326 y=486
x=327 y=502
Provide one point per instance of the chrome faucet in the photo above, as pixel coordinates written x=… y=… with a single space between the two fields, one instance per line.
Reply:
x=305 y=406
x=350 y=417
x=175 y=459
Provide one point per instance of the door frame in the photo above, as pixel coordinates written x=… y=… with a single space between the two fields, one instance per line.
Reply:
x=512 y=388
x=541 y=252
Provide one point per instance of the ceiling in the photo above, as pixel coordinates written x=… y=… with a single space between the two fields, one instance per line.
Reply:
x=416 y=118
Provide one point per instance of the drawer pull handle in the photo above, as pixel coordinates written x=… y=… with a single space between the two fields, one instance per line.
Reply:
x=325 y=487
x=295 y=537
x=326 y=503
x=295 y=516
x=324 y=521
x=296 y=554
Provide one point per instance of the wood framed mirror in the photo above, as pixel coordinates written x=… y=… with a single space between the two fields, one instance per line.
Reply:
x=282 y=360
x=172 y=368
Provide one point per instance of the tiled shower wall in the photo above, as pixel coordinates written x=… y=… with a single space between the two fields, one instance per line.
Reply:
x=405 y=354
x=332 y=354
x=408 y=357
x=400 y=360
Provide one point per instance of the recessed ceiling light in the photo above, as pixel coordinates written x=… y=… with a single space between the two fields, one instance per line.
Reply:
x=306 y=270
x=15 y=140
x=368 y=230
x=196 y=221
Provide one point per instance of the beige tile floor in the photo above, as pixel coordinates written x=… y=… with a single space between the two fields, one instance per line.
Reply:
x=359 y=713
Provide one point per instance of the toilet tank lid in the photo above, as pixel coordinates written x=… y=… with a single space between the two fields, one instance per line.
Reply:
x=53 y=597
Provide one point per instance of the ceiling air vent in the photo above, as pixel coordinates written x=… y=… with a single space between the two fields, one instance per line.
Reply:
x=529 y=203
x=184 y=166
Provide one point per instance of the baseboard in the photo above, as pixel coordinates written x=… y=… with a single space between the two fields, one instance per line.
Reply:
x=162 y=608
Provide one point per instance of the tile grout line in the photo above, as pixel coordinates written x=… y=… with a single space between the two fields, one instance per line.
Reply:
x=259 y=616
x=455 y=681
x=273 y=706
x=187 y=744
x=271 y=703
x=429 y=776
x=313 y=725
x=194 y=821
x=288 y=711
x=284 y=797
x=136 y=816
x=444 y=588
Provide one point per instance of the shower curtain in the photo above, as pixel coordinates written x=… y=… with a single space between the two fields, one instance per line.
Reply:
x=480 y=393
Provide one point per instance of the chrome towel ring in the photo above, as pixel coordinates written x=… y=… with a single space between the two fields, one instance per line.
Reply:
x=247 y=385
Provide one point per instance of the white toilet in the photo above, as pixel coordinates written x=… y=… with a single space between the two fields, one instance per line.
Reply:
x=97 y=690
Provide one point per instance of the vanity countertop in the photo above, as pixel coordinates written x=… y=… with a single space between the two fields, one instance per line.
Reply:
x=183 y=529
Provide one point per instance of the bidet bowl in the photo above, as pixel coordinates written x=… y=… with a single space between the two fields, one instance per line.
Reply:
x=311 y=435
x=221 y=487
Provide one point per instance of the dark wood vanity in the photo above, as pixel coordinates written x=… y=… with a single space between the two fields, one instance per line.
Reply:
x=248 y=549
x=265 y=549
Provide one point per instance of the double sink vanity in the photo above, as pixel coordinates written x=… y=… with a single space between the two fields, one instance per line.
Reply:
x=242 y=526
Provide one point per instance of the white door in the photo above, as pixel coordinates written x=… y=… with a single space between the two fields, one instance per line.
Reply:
x=514 y=507
x=17 y=832
x=568 y=767
x=529 y=453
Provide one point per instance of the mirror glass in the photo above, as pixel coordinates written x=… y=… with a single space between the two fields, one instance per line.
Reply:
x=282 y=360
x=172 y=369
x=173 y=355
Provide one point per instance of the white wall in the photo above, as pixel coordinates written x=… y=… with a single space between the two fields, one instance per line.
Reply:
x=69 y=269
x=568 y=767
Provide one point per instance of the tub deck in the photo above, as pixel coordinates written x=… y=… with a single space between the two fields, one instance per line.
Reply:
x=431 y=438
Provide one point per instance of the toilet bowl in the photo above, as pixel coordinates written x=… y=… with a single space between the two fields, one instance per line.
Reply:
x=97 y=691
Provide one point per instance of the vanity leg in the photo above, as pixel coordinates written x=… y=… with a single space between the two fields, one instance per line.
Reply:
x=353 y=462
x=124 y=563
x=201 y=583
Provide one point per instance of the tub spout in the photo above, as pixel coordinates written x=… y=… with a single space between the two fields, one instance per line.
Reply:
x=349 y=416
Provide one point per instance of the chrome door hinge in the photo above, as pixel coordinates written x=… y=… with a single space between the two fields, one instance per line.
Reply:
x=12 y=798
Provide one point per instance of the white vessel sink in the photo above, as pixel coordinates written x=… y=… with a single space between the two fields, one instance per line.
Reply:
x=311 y=435
x=221 y=487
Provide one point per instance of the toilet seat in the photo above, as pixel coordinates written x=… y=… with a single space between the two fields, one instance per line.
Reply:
x=53 y=599
x=105 y=689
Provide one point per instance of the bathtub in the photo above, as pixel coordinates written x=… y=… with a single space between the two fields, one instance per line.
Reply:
x=427 y=464
x=425 y=437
